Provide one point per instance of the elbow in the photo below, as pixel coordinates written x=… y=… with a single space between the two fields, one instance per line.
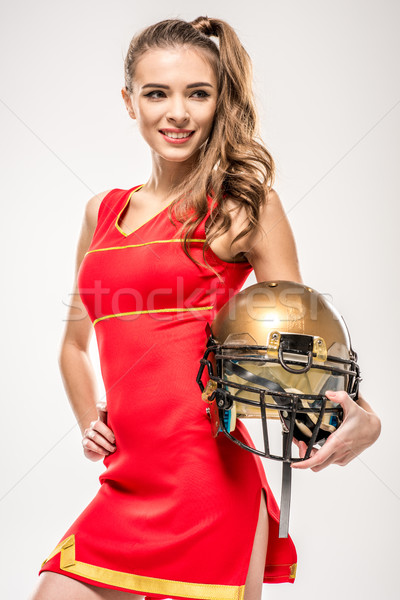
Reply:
x=66 y=350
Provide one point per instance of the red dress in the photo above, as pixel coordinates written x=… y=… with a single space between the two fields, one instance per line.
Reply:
x=177 y=509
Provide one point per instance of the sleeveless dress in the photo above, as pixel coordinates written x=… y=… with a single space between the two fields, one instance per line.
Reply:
x=177 y=509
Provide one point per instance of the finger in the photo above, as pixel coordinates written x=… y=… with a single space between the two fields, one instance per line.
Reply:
x=89 y=444
x=302 y=449
x=105 y=431
x=100 y=440
x=337 y=458
x=319 y=457
x=315 y=463
x=341 y=398
x=302 y=446
x=323 y=464
x=102 y=411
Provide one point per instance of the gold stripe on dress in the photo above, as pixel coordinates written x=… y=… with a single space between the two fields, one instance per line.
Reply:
x=145 y=244
x=123 y=208
x=141 y=583
x=155 y=310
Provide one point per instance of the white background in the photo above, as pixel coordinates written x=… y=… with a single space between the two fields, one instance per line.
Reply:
x=327 y=86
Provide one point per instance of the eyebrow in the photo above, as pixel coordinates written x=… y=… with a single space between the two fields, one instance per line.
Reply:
x=166 y=87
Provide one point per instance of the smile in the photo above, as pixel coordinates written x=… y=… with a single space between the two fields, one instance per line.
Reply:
x=176 y=138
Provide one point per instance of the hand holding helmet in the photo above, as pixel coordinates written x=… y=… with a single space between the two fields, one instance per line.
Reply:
x=360 y=428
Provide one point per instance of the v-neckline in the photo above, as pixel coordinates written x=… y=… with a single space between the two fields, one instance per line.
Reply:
x=116 y=223
x=123 y=208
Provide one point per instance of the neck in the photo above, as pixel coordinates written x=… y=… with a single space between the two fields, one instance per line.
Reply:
x=166 y=175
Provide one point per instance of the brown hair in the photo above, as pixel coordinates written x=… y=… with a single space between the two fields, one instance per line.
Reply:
x=231 y=162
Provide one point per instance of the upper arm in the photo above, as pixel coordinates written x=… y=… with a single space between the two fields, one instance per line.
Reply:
x=78 y=329
x=271 y=247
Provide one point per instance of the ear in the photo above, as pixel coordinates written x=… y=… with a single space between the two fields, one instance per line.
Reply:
x=128 y=103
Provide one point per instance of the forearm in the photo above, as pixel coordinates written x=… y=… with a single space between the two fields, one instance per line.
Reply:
x=80 y=383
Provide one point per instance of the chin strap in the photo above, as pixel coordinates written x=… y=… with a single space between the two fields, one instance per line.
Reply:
x=285 y=499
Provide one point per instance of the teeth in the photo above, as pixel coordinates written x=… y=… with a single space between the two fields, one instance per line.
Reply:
x=176 y=135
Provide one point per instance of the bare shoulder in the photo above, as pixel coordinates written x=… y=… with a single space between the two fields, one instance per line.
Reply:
x=92 y=209
x=88 y=225
x=270 y=247
x=271 y=211
x=272 y=215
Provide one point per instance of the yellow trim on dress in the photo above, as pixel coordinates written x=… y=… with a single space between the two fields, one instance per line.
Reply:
x=122 y=210
x=141 y=583
x=140 y=226
x=155 y=310
x=145 y=244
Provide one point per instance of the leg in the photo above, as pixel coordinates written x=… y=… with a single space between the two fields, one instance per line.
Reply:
x=53 y=586
x=254 y=580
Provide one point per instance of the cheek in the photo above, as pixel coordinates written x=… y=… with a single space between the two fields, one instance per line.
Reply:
x=205 y=118
x=209 y=123
x=148 y=114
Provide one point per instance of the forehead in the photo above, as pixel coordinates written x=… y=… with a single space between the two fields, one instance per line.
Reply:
x=174 y=66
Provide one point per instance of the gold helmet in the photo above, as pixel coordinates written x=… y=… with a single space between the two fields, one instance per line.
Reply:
x=273 y=350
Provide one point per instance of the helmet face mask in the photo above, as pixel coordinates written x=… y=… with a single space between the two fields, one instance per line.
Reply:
x=281 y=388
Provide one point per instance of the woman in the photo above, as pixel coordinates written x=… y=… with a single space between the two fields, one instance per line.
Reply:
x=179 y=514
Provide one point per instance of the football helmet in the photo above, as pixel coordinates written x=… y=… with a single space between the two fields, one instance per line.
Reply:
x=272 y=351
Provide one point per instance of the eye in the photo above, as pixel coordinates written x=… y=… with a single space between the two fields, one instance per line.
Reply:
x=202 y=92
x=150 y=94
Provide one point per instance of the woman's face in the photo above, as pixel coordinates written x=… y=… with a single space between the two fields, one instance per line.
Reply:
x=174 y=89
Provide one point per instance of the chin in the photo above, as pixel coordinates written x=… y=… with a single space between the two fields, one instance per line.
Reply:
x=178 y=159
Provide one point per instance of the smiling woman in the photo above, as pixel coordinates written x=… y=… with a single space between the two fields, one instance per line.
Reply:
x=179 y=513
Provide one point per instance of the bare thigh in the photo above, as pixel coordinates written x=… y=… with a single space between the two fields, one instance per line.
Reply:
x=255 y=574
x=54 y=586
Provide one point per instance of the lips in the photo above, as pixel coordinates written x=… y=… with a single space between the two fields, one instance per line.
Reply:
x=176 y=140
x=167 y=132
x=176 y=130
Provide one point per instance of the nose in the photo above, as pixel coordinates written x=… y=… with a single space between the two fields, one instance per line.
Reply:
x=177 y=110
